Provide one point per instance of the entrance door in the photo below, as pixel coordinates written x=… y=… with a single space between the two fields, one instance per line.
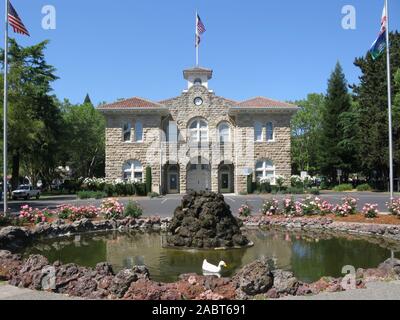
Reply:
x=225 y=182
x=225 y=179
x=199 y=178
x=172 y=183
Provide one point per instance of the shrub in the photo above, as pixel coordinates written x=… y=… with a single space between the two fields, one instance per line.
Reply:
x=140 y=189
x=314 y=191
x=324 y=207
x=112 y=209
x=310 y=206
x=149 y=181
x=29 y=215
x=133 y=209
x=292 y=208
x=348 y=207
x=264 y=186
x=294 y=190
x=296 y=182
x=77 y=213
x=250 y=184
x=109 y=189
x=343 y=187
x=153 y=195
x=4 y=220
x=364 y=187
x=270 y=207
x=280 y=181
x=394 y=207
x=91 y=195
x=370 y=211
x=245 y=210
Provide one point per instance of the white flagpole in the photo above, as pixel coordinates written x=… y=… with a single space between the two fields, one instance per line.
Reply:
x=389 y=81
x=197 y=43
x=5 y=185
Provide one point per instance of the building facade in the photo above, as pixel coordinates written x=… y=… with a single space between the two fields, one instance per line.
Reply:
x=198 y=140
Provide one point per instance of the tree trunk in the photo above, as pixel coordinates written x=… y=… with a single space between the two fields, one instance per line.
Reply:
x=15 y=170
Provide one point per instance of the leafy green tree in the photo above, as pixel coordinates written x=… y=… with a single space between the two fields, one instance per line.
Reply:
x=335 y=151
x=306 y=128
x=372 y=124
x=33 y=117
x=84 y=140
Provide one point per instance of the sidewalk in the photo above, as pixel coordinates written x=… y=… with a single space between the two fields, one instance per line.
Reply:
x=8 y=292
x=374 y=291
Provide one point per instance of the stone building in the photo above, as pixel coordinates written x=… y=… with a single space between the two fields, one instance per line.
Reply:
x=198 y=140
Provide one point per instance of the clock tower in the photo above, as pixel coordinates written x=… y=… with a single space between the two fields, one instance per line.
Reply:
x=197 y=76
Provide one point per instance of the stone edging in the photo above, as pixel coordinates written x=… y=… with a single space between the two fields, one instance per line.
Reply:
x=391 y=232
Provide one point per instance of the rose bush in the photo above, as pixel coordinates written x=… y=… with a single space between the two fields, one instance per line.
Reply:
x=270 y=207
x=112 y=209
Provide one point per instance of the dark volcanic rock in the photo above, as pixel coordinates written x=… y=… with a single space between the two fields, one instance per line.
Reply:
x=204 y=220
x=255 y=278
x=14 y=238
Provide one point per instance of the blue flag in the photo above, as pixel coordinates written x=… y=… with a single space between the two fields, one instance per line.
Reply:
x=379 y=45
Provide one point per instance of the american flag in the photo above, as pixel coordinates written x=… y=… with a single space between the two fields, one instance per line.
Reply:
x=15 y=21
x=200 y=29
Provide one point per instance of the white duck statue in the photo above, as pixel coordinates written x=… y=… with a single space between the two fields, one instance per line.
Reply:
x=208 y=267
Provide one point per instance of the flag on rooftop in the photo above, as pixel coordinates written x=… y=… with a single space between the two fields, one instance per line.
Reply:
x=200 y=29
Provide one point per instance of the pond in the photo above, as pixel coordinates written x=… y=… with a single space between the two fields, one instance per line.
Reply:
x=308 y=256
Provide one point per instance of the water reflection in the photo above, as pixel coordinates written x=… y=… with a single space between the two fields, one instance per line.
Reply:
x=309 y=255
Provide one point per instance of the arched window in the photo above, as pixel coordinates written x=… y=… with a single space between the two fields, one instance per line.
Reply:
x=265 y=169
x=270 y=131
x=258 y=131
x=198 y=82
x=133 y=171
x=224 y=133
x=127 y=131
x=138 y=131
x=198 y=131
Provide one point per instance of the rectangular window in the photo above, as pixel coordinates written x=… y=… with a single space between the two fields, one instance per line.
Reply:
x=138 y=176
x=270 y=131
x=127 y=132
x=258 y=132
x=172 y=132
x=138 y=132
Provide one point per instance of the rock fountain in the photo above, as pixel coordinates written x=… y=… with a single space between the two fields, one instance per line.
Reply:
x=205 y=221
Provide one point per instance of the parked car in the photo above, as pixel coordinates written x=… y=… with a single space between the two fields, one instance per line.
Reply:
x=26 y=192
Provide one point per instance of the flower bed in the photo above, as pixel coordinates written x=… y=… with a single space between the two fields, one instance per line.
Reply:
x=314 y=206
x=109 y=209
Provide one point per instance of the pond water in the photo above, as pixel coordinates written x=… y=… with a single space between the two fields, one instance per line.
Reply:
x=309 y=256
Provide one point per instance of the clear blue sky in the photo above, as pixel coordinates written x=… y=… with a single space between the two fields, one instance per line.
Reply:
x=122 y=48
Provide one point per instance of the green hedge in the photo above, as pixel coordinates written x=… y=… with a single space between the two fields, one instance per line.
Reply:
x=343 y=187
x=364 y=187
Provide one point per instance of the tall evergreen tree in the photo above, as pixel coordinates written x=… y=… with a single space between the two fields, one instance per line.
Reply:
x=371 y=96
x=334 y=154
x=87 y=100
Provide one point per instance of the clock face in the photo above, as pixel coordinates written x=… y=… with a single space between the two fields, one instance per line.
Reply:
x=198 y=101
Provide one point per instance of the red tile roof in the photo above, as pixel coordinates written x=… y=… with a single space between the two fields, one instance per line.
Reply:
x=135 y=102
x=262 y=102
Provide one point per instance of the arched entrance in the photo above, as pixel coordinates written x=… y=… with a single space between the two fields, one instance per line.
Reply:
x=199 y=175
x=226 y=178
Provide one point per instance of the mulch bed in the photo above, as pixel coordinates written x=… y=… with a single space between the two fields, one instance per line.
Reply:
x=359 y=218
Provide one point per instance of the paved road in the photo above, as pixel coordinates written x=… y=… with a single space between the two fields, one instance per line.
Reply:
x=165 y=206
